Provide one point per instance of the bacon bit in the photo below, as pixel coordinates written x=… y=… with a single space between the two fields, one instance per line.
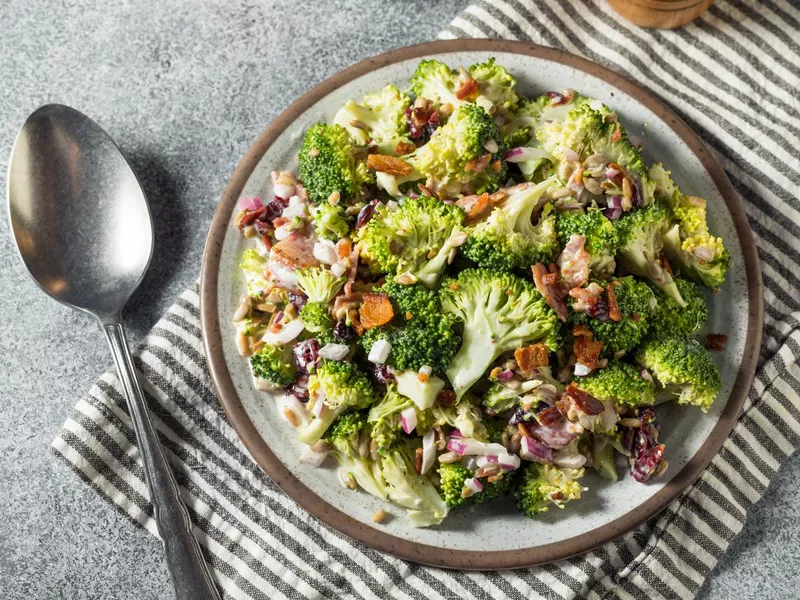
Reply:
x=248 y=217
x=613 y=306
x=497 y=197
x=617 y=135
x=617 y=179
x=344 y=248
x=376 y=310
x=388 y=164
x=496 y=166
x=479 y=164
x=404 y=147
x=523 y=431
x=586 y=297
x=355 y=321
x=446 y=398
x=665 y=264
x=549 y=416
x=550 y=279
x=530 y=357
x=295 y=251
x=587 y=351
x=586 y=402
x=550 y=291
x=474 y=206
x=579 y=331
x=716 y=341
x=267 y=239
x=466 y=86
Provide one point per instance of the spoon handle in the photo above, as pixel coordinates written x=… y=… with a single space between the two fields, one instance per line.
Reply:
x=185 y=562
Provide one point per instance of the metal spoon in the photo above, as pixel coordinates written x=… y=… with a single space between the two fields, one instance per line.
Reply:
x=83 y=229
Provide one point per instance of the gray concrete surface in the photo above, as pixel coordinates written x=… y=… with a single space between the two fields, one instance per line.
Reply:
x=185 y=86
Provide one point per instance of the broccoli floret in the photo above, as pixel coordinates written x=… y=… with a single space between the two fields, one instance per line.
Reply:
x=495 y=85
x=601 y=237
x=380 y=118
x=464 y=416
x=411 y=490
x=542 y=485
x=384 y=417
x=273 y=364
x=435 y=81
x=499 y=488
x=331 y=222
x=684 y=368
x=688 y=243
x=521 y=126
x=499 y=312
x=342 y=387
x=416 y=238
x=412 y=301
x=508 y=239
x=619 y=383
x=456 y=159
x=499 y=397
x=670 y=319
x=640 y=242
x=345 y=435
x=636 y=302
x=331 y=162
x=316 y=317
x=319 y=284
x=588 y=129
x=253 y=266
x=494 y=429
x=452 y=477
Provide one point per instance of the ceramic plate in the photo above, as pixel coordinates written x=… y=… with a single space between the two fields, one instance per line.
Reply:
x=496 y=536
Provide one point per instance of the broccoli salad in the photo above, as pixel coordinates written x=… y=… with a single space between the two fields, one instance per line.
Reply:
x=463 y=294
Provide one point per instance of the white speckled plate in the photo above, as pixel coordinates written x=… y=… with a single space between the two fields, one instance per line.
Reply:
x=496 y=536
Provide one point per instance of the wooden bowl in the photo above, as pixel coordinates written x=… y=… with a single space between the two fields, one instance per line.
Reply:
x=660 y=14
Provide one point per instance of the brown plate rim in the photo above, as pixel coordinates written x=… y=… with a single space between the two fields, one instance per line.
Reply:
x=423 y=553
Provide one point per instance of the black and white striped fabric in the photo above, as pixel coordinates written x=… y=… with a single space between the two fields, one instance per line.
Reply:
x=733 y=75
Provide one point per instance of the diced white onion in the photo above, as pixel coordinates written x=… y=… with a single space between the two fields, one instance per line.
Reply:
x=334 y=351
x=408 y=419
x=379 y=352
x=285 y=334
x=309 y=456
x=283 y=274
x=261 y=247
x=338 y=269
x=566 y=460
x=325 y=252
x=581 y=370
x=425 y=370
x=428 y=451
x=295 y=200
x=294 y=210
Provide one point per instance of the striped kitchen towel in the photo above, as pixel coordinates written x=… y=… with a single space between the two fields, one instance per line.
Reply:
x=733 y=75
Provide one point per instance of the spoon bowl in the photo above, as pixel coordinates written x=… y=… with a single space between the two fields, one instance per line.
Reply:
x=83 y=229
x=78 y=212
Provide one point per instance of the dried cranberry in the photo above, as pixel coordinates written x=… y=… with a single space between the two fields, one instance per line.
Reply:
x=262 y=227
x=642 y=443
x=300 y=388
x=381 y=374
x=636 y=195
x=414 y=132
x=306 y=355
x=273 y=209
x=586 y=402
x=366 y=213
x=520 y=415
x=598 y=310
x=297 y=300
x=556 y=99
x=342 y=331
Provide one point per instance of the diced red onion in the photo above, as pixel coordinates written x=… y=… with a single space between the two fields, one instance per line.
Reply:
x=278 y=316
x=309 y=456
x=456 y=433
x=408 y=419
x=571 y=155
x=428 y=451
x=505 y=375
x=492 y=449
x=614 y=209
x=286 y=334
x=512 y=153
x=474 y=484
x=611 y=172
x=508 y=462
x=535 y=451
x=646 y=375
x=466 y=446
x=482 y=461
x=250 y=203
x=522 y=154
